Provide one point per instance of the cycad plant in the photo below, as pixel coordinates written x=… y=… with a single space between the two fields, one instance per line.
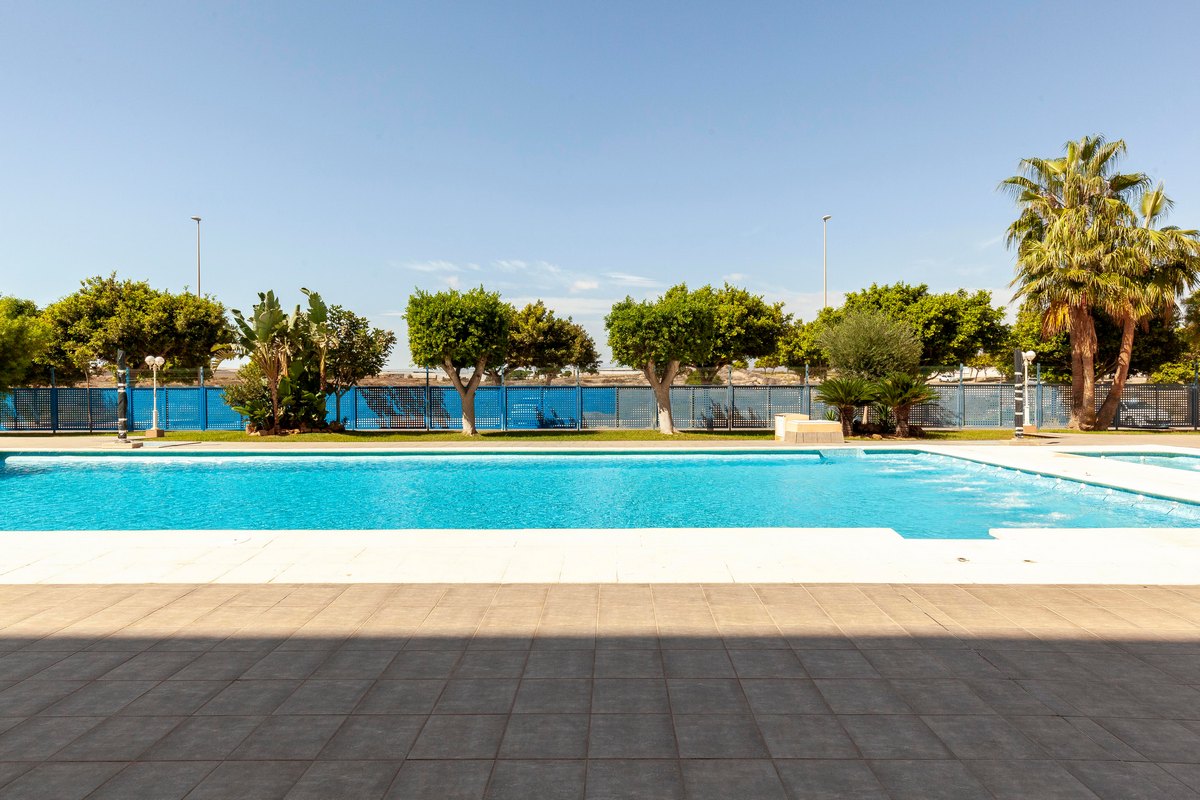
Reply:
x=900 y=392
x=846 y=394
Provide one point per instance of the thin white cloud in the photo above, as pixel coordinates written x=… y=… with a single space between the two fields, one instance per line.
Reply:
x=636 y=281
x=734 y=277
x=437 y=267
x=992 y=242
x=584 y=285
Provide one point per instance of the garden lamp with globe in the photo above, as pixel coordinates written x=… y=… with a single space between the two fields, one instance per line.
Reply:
x=154 y=363
x=1031 y=420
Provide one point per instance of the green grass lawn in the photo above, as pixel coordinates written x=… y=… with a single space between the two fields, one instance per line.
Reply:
x=548 y=436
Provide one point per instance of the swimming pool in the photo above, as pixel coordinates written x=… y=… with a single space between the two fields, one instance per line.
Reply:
x=1171 y=460
x=920 y=495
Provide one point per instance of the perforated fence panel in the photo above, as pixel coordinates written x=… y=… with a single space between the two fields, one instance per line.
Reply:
x=534 y=407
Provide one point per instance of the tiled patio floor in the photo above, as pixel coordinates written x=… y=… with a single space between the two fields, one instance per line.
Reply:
x=610 y=691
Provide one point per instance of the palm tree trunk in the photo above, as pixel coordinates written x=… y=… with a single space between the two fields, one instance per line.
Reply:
x=1112 y=402
x=902 y=413
x=1083 y=368
x=846 y=415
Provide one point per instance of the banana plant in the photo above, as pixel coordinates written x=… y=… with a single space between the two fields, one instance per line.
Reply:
x=267 y=338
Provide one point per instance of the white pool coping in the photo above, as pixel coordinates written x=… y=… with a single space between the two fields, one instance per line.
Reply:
x=671 y=555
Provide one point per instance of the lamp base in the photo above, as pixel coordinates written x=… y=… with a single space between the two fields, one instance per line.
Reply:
x=153 y=433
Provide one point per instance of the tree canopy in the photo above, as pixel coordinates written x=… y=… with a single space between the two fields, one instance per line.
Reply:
x=358 y=351
x=540 y=340
x=745 y=327
x=107 y=314
x=23 y=339
x=870 y=345
x=456 y=331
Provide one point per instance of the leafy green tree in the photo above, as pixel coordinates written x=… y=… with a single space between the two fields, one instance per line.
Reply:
x=846 y=393
x=746 y=327
x=357 y=351
x=900 y=393
x=658 y=336
x=954 y=327
x=1183 y=368
x=23 y=340
x=870 y=345
x=456 y=331
x=1074 y=211
x=108 y=314
x=540 y=340
x=796 y=348
x=268 y=339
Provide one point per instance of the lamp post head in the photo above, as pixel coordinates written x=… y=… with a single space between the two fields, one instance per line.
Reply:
x=827 y=217
x=1029 y=355
x=196 y=218
x=155 y=361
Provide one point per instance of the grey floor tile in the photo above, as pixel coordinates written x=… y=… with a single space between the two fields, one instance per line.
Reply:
x=790 y=696
x=355 y=664
x=477 y=696
x=1189 y=774
x=60 y=781
x=811 y=736
x=1124 y=780
x=1023 y=779
x=152 y=666
x=767 y=664
x=545 y=780
x=84 y=666
x=982 y=736
x=31 y=696
x=250 y=697
x=1076 y=738
x=427 y=664
x=553 y=696
x=906 y=663
x=1157 y=739
x=836 y=664
x=99 y=698
x=849 y=696
x=154 y=781
x=492 y=664
x=288 y=738
x=356 y=780
x=213 y=666
x=39 y=738
x=238 y=780
x=541 y=736
x=928 y=780
x=1009 y=697
x=636 y=779
x=706 y=696
x=324 y=697
x=893 y=736
x=460 y=736
x=630 y=696
x=940 y=696
x=632 y=736
x=203 y=739
x=171 y=698
x=118 y=739
x=441 y=780
x=722 y=780
x=386 y=737
x=401 y=697
x=628 y=664
x=697 y=664
x=560 y=664
x=719 y=736
x=816 y=779
x=285 y=664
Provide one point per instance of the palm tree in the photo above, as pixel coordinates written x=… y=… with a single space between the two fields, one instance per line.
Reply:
x=1163 y=264
x=900 y=393
x=846 y=394
x=267 y=340
x=1074 y=210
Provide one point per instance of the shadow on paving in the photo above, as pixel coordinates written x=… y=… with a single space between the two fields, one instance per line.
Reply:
x=584 y=691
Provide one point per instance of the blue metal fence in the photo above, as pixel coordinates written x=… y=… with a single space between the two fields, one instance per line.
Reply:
x=523 y=407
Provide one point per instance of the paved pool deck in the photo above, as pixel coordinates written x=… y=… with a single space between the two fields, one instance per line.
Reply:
x=679 y=555
x=569 y=692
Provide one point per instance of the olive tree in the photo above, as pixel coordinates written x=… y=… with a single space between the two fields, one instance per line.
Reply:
x=870 y=345
x=457 y=331
x=657 y=336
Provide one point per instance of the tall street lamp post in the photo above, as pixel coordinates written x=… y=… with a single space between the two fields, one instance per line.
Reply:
x=197 y=219
x=825 y=260
x=155 y=432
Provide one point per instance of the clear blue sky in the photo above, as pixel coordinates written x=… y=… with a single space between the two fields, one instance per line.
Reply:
x=575 y=152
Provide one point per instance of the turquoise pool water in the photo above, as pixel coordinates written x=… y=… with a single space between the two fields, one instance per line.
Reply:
x=918 y=495
x=1172 y=460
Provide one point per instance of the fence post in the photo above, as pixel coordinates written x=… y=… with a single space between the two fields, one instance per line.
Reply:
x=53 y=402
x=1195 y=395
x=428 y=402
x=730 y=397
x=202 y=390
x=807 y=396
x=962 y=399
x=504 y=403
x=578 y=402
x=1038 y=394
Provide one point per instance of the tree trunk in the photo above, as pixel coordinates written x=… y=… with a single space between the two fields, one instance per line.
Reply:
x=1112 y=402
x=846 y=415
x=274 y=408
x=662 y=394
x=708 y=375
x=902 y=413
x=1083 y=368
x=466 y=392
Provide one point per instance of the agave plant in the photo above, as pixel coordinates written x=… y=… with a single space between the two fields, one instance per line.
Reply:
x=846 y=394
x=900 y=392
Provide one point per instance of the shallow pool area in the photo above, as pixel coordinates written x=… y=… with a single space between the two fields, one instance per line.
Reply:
x=1184 y=461
x=919 y=495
